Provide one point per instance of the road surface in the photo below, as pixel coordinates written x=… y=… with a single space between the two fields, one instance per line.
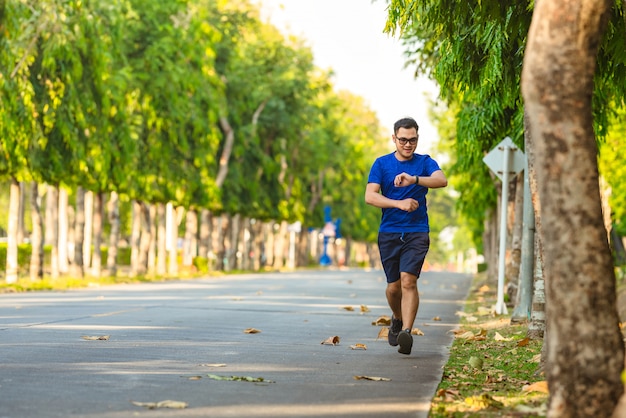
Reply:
x=172 y=341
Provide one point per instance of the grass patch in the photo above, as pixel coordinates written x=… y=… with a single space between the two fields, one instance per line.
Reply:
x=494 y=369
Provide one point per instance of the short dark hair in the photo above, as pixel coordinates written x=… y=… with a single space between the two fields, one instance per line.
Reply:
x=406 y=123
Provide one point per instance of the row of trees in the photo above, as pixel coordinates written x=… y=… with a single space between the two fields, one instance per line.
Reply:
x=567 y=58
x=194 y=116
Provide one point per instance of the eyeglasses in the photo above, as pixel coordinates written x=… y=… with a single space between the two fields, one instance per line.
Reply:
x=403 y=141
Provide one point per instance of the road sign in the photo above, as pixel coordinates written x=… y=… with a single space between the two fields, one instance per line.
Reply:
x=495 y=159
x=506 y=161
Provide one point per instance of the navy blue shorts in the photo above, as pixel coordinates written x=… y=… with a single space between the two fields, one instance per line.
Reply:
x=403 y=252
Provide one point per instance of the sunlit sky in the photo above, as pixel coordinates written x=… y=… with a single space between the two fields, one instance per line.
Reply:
x=347 y=36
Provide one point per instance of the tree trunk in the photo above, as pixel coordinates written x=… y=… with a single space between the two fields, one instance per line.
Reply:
x=257 y=244
x=52 y=229
x=135 y=237
x=161 y=268
x=145 y=238
x=204 y=243
x=36 y=236
x=229 y=140
x=585 y=350
x=21 y=227
x=235 y=230
x=97 y=222
x=280 y=241
x=63 y=231
x=172 y=215
x=537 y=325
x=490 y=245
x=152 y=215
x=268 y=242
x=190 y=246
x=88 y=230
x=513 y=267
x=79 y=233
x=114 y=237
x=12 y=266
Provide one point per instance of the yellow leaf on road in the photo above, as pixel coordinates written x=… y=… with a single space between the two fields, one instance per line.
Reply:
x=374 y=378
x=382 y=320
x=348 y=308
x=358 y=346
x=364 y=309
x=383 y=333
x=162 y=404
x=334 y=340
x=251 y=331
x=416 y=331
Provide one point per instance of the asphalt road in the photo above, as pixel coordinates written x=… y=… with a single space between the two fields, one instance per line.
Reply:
x=166 y=339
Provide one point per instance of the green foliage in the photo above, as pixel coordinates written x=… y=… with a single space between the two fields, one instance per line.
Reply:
x=474 y=51
x=613 y=169
x=201 y=264
x=23 y=255
x=130 y=95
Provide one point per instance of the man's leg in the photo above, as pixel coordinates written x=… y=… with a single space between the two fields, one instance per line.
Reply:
x=394 y=298
x=410 y=299
x=410 y=303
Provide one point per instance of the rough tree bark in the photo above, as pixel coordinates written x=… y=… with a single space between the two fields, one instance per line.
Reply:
x=585 y=352
x=98 y=217
x=113 y=212
x=14 y=208
x=36 y=237
x=79 y=234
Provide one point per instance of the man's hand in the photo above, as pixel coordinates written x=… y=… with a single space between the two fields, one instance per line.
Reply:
x=408 y=205
x=403 y=179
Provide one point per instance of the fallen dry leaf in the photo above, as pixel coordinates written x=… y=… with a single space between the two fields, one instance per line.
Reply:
x=95 y=337
x=523 y=342
x=437 y=318
x=251 y=331
x=364 y=309
x=470 y=336
x=374 y=378
x=358 y=346
x=194 y=377
x=382 y=320
x=416 y=331
x=383 y=333
x=162 y=404
x=482 y=311
x=348 y=308
x=541 y=386
x=334 y=340
x=239 y=378
x=499 y=337
x=448 y=395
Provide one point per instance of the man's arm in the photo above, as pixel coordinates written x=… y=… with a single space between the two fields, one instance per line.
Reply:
x=434 y=181
x=375 y=198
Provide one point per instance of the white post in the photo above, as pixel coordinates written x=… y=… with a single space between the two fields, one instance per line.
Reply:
x=500 y=305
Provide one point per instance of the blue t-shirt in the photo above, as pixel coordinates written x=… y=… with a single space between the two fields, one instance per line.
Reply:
x=383 y=172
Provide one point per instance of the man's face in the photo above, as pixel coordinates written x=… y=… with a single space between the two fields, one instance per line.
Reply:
x=406 y=142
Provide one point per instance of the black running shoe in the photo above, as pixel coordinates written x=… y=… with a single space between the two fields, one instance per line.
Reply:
x=405 y=339
x=394 y=329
